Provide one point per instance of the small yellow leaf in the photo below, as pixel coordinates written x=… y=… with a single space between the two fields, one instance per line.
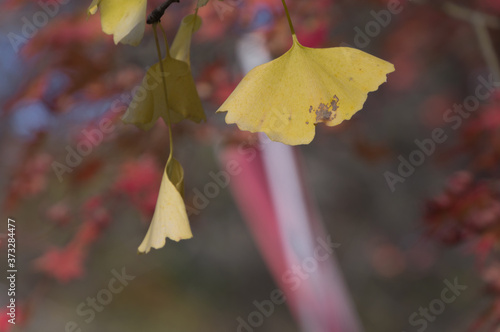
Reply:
x=124 y=19
x=93 y=7
x=287 y=97
x=148 y=103
x=182 y=42
x=170 y=218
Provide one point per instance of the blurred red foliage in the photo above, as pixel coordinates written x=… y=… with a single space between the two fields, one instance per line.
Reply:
x=139 y=182
x=468 y=211
x=73 y=65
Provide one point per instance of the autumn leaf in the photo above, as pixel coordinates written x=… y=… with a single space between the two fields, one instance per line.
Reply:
x=181 y=45
x=170 y=218
x=124 y=19
x=287 y=97
x=148 y=103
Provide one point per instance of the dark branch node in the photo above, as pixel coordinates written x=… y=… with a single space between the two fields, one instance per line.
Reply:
x=157 y=13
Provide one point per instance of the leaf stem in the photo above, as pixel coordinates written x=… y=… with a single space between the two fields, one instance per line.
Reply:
x=288 y=17
x=165 y=40
x=169 y=123
x=194 y=18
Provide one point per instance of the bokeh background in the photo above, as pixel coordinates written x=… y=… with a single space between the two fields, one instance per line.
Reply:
x=397 y=246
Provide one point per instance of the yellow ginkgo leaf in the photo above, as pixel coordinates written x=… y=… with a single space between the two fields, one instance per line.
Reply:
x=124 y=19
x=181 y=45
x=148 y=103
x=170 y=218
x=287 y=97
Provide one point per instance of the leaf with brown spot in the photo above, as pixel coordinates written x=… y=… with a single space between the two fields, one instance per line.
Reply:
x=308 y=85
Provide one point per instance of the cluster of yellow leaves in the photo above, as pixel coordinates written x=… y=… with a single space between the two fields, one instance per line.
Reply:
x=126 y=21
x=170 y=218
x=285 y=98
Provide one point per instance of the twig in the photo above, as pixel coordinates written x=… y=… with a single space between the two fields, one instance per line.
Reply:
x=487 y=47
x=466 y=14
x=158 y=12
x=481 y=22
